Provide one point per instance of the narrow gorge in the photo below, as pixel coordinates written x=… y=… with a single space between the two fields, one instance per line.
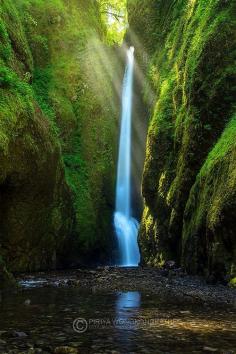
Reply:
x=117 y=176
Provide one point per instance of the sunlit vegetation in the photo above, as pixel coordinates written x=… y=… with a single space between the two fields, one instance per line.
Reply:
x=77 y=96
x=75 y=92
x=191 y=67
x=114 y=15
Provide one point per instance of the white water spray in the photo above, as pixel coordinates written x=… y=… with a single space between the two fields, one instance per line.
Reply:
x=125 y=225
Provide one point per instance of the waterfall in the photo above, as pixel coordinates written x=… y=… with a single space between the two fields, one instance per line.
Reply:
x=126 y=226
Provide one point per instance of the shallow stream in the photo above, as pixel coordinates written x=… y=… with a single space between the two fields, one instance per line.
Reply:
x=110 y=322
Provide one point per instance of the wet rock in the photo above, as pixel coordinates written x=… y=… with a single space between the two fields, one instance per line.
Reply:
x=66 y=350
x=20 y=334
x=182 y=286
x=35 y=351
x=71 y=282
x=99 y=268
x=169 y=265
x=27 y=302
x=40 y=343
x=210 y=349
x=94 y=289
x=211 y=279
x=164 y=272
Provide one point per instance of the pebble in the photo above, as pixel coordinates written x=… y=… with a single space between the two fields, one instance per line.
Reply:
x=27 y=302
x=20 y=334
x=210 y=349
x=151 y=283
x=66 y=350
x=191 y=288
x=35 y=351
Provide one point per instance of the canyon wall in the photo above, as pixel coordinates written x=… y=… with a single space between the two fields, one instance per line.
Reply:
x=187 y=49
x=57 y=135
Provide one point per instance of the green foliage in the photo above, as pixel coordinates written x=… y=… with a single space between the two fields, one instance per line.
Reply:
x=190 y=48
x=74 y=91
x=232 y=283
x=15 y=40
x=114 y=16
x=41 y=41
x=5 y=47
x=224 y=145
x=41 y=84
x=215 y=185
x=8 y=78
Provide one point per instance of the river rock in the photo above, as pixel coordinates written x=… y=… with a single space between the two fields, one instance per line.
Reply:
x=27 y=302
x=20 y=334
x=210 y=349
x=66 y=350
x=169 y=265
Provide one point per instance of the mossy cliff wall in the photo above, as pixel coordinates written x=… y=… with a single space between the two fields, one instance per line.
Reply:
x=189 y=180
x=72 y=81
x=56 y=134
x=35 y=212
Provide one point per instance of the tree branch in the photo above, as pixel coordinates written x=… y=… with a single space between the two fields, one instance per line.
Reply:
x=117 y=17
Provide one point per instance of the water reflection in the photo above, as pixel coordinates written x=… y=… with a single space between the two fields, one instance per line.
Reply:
x=130 y=299
x=127 y=308
x=48 y=319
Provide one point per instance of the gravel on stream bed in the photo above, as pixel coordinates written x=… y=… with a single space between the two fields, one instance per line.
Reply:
x=172 y=283
x=124 y=310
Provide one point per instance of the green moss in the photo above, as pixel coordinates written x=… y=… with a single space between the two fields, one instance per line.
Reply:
x=41 y=89
x=224 y=145
x=233 y=282
x=17 y=43
x=190 y=65
x=211 y=200
x=76 y=96
x=10 y=80
x=5 y=46
x=32 y=181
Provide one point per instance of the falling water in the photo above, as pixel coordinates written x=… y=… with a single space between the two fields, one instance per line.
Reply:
x=125 y=225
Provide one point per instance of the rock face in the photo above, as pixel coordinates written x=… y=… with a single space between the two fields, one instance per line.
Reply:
x=57 y=135
x=35 y=207
x=75 y=93
x=36 y=216
x=189 y=180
